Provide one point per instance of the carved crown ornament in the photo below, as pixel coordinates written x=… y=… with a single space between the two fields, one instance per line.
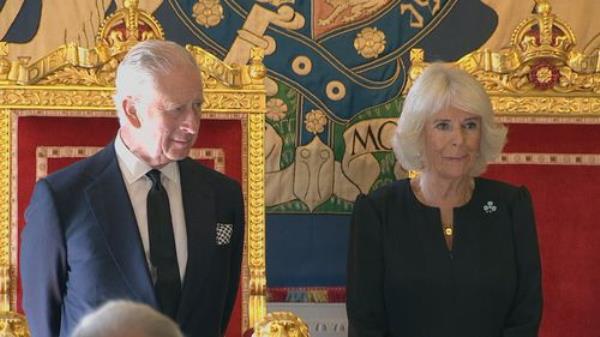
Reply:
x=540 y=72
x=73 y=65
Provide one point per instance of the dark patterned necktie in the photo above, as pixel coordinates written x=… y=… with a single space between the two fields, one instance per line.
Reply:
x=163 y=255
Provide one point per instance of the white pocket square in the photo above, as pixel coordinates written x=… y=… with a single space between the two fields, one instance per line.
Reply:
x=224 y=232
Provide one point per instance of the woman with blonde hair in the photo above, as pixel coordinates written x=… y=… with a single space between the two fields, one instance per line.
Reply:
x=447 y=253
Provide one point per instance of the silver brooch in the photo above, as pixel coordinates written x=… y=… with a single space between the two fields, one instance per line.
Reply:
x=489 y=207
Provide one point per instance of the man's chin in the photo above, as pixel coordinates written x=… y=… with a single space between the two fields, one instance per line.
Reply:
x=177 y=155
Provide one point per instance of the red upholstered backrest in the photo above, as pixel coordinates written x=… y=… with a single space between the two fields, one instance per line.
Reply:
x=560 y=164
x=44 y=144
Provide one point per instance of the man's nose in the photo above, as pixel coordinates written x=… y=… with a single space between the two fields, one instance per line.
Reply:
x=191 y=121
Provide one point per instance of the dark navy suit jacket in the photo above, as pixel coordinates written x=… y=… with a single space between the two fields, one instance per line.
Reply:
x=81 y=247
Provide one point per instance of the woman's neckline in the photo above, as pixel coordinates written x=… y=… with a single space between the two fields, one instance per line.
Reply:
x=417 y=201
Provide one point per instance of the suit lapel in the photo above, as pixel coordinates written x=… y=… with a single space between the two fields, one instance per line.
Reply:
x=200 y=219
x=110 y=203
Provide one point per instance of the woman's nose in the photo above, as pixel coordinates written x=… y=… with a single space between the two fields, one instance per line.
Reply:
x=458 y=136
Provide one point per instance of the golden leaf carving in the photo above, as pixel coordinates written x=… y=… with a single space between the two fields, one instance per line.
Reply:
x=79 y=76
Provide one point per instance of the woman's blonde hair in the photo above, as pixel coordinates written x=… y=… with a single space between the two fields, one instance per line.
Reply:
x=439 y=87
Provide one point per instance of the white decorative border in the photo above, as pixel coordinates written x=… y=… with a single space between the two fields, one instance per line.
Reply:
x=43 y=153
x=526 y=158
x=548 y=120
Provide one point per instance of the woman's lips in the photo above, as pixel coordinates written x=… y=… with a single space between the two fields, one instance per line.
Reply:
x=456 y=158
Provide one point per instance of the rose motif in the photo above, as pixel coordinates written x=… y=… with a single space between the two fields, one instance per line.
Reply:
x=208 y=13
x=276 y=109
x=315 y=121
x=370 y=42
x=544 y=75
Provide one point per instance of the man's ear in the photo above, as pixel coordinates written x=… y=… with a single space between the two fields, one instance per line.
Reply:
x=131 y=112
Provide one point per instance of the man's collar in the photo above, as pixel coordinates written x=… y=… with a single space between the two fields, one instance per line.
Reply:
x=134 y=168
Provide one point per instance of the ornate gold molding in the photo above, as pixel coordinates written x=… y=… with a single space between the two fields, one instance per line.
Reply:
x=546 y=105
x=281 y=324
x=5 y=168
x=257 y=301
x=11 y=323
x=539 y=73
x=48 y=97
x=220 y=75
x=8 y=286
x=250 y=101
x=5 y=234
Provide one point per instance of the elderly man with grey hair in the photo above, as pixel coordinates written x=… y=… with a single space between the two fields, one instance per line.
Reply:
x=126 y=319
x=139 y=220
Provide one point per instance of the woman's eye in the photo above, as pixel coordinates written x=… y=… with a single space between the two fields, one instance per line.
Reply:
x=442 y=126
x=471 y=125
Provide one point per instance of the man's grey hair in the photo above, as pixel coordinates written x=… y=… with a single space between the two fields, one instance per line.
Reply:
x=145 y=63
x=439 y=87
x=124 y=318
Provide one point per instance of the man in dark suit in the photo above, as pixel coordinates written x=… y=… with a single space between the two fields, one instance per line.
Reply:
x=138 y=220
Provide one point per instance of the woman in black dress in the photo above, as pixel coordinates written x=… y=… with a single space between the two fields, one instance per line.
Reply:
x=446 y=254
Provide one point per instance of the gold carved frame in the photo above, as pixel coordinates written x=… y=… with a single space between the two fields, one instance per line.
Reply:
x=76 y=81
x=539 y=78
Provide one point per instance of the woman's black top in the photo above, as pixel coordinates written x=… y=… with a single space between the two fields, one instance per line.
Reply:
x=404 y=282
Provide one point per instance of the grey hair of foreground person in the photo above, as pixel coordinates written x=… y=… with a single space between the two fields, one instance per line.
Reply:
x=124 y=318
x=146 y=62
x=439 y=87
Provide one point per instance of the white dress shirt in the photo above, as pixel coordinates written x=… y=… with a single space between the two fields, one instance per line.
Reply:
x=138 y=184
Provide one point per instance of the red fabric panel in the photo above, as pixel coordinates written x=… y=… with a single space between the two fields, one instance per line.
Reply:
x=333 y=294
x=566 y=198
x=553 y=138
x=72 y=131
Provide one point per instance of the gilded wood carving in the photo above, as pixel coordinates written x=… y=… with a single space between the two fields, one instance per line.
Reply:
x=541 y=73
